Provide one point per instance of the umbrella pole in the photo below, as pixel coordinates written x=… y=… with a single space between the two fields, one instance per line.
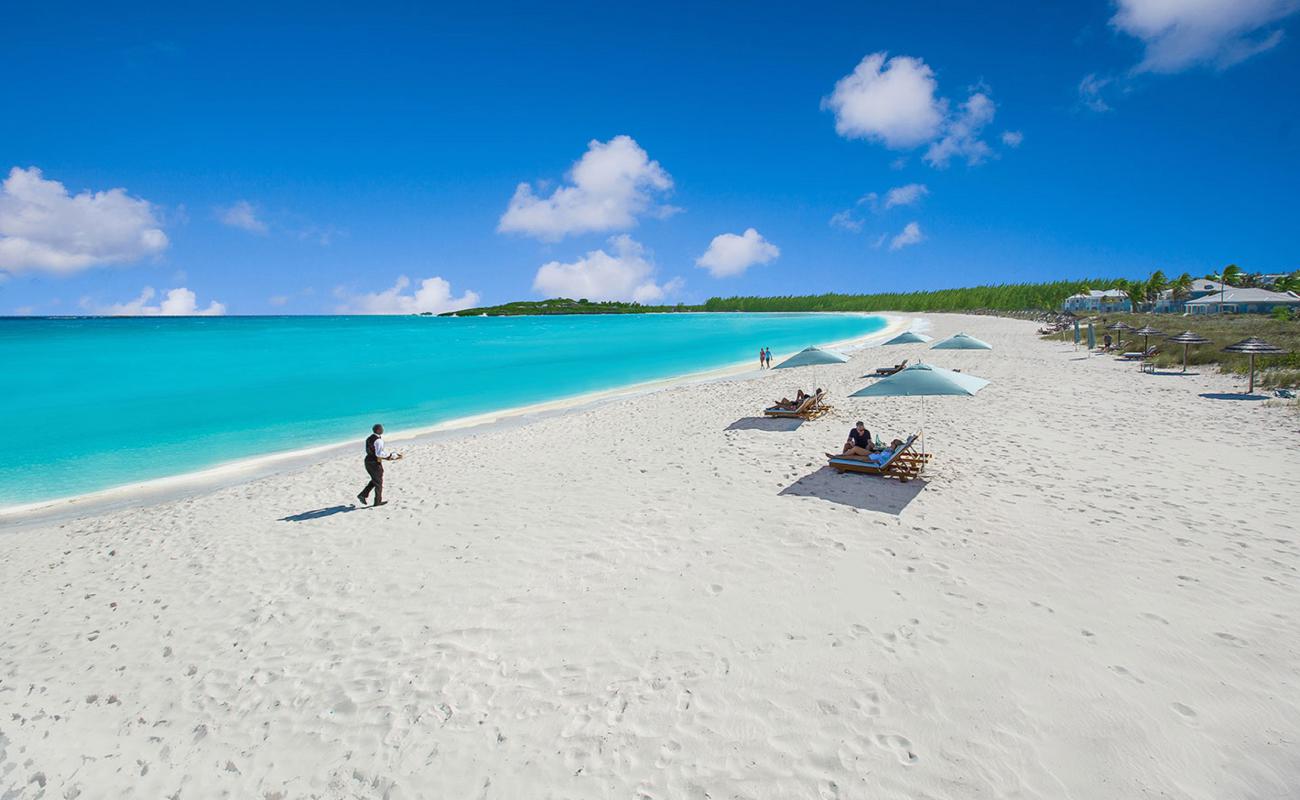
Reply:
x=1184 y=359
x=922 y=424
x=1251 y=390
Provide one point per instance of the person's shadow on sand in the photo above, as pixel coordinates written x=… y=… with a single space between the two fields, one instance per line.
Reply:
x=867 y=492
x=318 y=513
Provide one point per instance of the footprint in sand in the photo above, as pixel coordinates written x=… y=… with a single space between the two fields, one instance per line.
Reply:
x=1230 y=639
x=1122 y=671
x=715 y=588
x=1186 y=711
x=899 y=746
x=667 y=753
x=684 y=700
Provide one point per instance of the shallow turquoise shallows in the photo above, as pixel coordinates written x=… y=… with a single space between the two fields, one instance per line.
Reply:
x=88 y=404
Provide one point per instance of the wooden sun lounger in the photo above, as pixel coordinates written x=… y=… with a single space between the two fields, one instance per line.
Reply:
x=812 y=407
x=905 y=464
x=1142 y=356
x=887 y=371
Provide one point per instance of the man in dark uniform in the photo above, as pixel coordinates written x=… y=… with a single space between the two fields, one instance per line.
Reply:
x=376 y=454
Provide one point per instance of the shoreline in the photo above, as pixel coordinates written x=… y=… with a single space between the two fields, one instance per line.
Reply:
x=242 y=470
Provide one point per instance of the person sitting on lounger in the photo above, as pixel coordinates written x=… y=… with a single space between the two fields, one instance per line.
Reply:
x=859 y=441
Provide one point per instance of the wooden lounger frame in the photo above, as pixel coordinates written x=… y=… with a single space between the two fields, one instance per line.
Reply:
x=811 y=408
x=1143 y=356
x=905 y=464
x=885 y=372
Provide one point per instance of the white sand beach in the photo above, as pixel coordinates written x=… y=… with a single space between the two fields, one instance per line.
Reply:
x=1092 y=594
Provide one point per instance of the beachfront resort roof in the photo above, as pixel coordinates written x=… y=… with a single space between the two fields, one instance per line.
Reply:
x=1247 y=295
x=1101 y=293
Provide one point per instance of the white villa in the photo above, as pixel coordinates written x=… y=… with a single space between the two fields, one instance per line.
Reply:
x=1236 y=300
x=1112 y=300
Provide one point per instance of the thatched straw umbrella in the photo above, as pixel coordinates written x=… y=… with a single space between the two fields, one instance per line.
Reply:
x=1254 y=346
x=1187 y=338
x=1119 y=329
x=1146 y=332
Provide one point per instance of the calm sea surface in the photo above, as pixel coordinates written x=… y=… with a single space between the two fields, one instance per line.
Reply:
x=87 y=404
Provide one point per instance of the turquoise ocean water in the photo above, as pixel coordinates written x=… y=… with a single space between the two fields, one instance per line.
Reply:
x=89 y=404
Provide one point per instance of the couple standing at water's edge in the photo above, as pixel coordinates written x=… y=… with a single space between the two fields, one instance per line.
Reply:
x=764 y=358
x=376 y=454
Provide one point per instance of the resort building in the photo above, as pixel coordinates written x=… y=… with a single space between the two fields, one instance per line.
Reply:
x=1166 y=303
x=1243 y=301
x=1112 y=300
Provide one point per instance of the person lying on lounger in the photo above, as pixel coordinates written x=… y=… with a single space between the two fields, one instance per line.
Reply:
x=874 y=457
x=790 y=405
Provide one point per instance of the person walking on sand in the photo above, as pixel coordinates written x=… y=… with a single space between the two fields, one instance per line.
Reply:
x=762 y=359
x=376 y=453
x=768 y=355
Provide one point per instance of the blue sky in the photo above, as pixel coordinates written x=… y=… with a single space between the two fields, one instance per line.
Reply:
x=312 y=159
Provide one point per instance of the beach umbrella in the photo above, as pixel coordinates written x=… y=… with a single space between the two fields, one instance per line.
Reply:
x=1076 y=334
x=812 y=356
x=1146 y=332
x=962 y=341
x=1119 y=329
x=909 y=337
x=1254 y=346
x=1187 y=338
x=1092 y=338
x=924 y=380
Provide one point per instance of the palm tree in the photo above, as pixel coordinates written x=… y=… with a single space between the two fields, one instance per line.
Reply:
x=1230 y=276
x=1181 y=286
x=1288 y=283
x=1135 y=291
x=1155 y=285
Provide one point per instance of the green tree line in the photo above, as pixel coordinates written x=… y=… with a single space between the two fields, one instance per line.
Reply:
x=999 y=297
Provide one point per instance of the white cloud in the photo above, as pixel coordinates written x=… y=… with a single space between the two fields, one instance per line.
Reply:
x=911 y=234
x=892 y=102
x=627 y=275
x=895 y=103
x=905 y=195
x=1012 y=139
x=242 y=215
x=433 y=296
x=844 y=220
x=608 y=188
x=1182 y=33
x=278 y=300
x=44 y=229
x=729 y=254
x=179 y=302
x=1090 y=92
x=961 y=136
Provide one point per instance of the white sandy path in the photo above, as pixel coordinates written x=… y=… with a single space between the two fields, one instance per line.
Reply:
x=1088 y=598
